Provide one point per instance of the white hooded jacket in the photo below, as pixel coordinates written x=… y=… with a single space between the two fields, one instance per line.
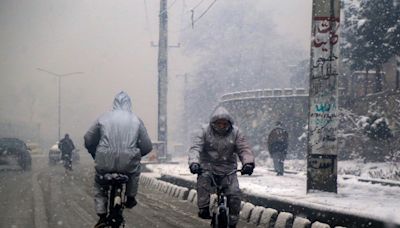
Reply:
x=118 y=138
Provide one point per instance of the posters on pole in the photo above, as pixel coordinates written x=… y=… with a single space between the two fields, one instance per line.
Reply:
x=323 y=81
x=323 y=97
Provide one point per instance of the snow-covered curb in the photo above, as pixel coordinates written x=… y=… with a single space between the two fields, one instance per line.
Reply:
x=261 y=216
x=356 y=204
x=314 y=212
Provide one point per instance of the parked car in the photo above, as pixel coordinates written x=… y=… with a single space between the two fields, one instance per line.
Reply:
x=15 y=150
x=55 y=155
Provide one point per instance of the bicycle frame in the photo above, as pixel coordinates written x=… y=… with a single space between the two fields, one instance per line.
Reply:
x=115 y=217
x=220 y=209
x=67 y=161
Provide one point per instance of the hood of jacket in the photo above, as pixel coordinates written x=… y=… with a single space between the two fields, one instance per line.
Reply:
x=122 y=101
x=221 y=114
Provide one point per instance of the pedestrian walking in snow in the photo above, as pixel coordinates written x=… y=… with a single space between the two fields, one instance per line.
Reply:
x=277 y=147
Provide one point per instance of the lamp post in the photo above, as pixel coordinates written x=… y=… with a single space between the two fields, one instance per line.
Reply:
x=59 y=76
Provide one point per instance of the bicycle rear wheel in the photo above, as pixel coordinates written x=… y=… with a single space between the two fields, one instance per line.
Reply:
x=115 y=219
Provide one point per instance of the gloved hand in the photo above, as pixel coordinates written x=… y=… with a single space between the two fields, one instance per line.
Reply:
x=195 y=168
x=247 y=169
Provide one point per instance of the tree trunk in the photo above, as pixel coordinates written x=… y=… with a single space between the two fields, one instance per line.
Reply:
x=366 y=83
x=398 y=72
x=378 y=79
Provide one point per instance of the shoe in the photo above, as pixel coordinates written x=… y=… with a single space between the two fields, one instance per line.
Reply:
x=232 y=226
x=130 y=202
x=204 y=213
x=102 y=223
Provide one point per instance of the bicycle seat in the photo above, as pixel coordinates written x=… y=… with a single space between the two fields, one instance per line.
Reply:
x=113 y=178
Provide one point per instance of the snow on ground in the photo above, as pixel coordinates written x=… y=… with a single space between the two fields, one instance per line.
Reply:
x=365 y=199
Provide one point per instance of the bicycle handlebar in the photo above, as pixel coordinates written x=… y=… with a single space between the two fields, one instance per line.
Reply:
x=234 y=171
x=211 y=175
x=227 y=174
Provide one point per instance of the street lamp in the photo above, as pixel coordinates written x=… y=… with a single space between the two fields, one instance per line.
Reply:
x=59 y=76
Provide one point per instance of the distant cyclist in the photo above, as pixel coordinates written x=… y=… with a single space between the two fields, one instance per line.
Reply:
x=117 y=141
x=215 y=150
x=66 y=146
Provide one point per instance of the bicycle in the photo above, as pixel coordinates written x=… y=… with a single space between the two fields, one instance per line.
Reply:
x=116 y=198
x=67 y=162
x=220 y=209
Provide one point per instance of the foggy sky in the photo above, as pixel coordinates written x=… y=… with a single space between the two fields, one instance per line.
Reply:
x=110 y=42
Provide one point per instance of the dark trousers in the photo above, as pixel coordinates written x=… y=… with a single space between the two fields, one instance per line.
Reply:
x=278 y=159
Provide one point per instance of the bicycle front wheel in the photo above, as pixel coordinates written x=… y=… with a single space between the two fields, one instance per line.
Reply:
x=116 y=226
x=222 y=218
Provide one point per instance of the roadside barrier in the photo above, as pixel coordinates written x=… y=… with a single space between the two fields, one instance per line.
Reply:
x=254 y=214
x=284 y=220
x=268 y=217
x=257 y=215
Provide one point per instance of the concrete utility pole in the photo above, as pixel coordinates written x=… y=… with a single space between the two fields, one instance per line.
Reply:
x=163 y=80
x=163 y=76
x=323 y=97
x=59 y=76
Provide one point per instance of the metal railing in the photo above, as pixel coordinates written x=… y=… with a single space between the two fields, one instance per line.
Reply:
x=286 y=92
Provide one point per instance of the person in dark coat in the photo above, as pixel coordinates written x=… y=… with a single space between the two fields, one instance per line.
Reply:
x=66 y=146
x=214 y=151
x=277 y=147
x=117 y=141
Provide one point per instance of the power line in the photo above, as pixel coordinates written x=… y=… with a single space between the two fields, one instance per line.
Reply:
x=208 y=8
x=198 y=4
x=169 y=7
x=193 y=21
x=192 y=8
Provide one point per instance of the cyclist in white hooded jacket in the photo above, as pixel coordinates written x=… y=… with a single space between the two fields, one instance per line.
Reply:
x=117 y=141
